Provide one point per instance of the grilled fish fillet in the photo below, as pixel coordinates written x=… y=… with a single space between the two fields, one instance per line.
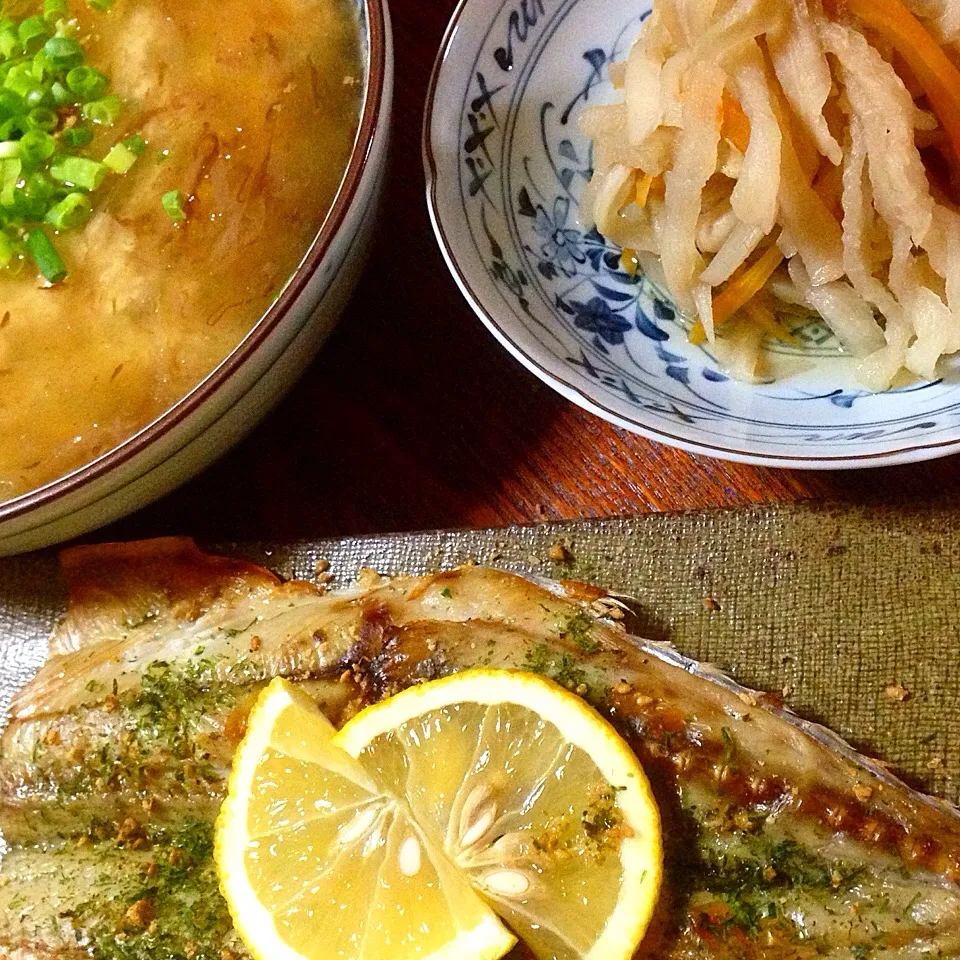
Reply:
x=780 y=840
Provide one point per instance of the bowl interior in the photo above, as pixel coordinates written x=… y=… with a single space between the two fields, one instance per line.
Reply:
x=508 y=165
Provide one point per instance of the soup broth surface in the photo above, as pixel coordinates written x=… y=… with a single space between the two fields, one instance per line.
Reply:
x=250 y=110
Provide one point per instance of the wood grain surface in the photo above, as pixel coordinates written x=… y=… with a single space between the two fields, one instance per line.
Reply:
x=413 y=417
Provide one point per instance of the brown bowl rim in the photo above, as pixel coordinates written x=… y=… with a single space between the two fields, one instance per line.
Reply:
x=189 y=403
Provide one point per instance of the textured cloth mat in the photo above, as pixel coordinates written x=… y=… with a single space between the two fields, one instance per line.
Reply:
x=845 y=610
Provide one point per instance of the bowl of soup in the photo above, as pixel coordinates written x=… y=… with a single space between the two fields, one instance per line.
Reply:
x=187 y=192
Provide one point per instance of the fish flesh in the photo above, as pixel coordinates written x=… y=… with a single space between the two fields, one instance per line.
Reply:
x=780 y=840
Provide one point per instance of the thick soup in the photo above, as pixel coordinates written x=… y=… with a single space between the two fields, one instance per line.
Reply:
x=154 y=201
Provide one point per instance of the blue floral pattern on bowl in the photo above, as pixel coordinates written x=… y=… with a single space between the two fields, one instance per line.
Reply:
x=506 y=168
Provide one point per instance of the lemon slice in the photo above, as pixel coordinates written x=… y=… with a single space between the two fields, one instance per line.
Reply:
x=489 y=794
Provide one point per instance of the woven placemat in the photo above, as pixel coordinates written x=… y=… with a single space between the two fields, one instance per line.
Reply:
x=849 y=612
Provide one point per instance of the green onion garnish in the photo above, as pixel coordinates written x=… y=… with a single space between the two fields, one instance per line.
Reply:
x=43 y=118
x=120 y=158
x=86 y=82
x=102 y=5
x=78 y=172
x=20 y=80
x=78 y=136
x=63 y=52
x=60 y=94
x=10 y=103
x=72 y=211
x=172 y=202
x=54 y=10
x=9 y=177
x=104 y=111
x=6 y=250
x=32 y=32
x=35 y=147
x=51 y=103
x=33 y=199
x=45 y=256
x=135 y=144
x=9 y=41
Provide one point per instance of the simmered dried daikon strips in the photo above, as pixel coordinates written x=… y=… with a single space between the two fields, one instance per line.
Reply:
x=741 y=22
x=943 y=251
x=936 y=330
x=695 y=161
x=860 y=227
x=810 y=226
x=777 y=129
x=940 y=17
x=740 y=350
x=755 y=196
x=804 y=74
x=844 y=310
x=717 y=222
x=642 y=79
x=881 y=102
x=741 y=242
x=877 y=371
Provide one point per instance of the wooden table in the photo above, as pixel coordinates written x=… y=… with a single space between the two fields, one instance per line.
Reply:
x=414 y=417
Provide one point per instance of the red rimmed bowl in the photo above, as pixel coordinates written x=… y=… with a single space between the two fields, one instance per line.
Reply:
x=242 y=389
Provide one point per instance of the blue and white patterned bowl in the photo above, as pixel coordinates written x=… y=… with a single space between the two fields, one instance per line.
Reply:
x=506 y=165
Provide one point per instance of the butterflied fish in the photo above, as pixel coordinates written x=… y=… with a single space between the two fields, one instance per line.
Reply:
x=781 y=841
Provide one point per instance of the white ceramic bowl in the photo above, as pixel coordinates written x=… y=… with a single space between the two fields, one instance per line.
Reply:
x=243 y=388
x=505 y=168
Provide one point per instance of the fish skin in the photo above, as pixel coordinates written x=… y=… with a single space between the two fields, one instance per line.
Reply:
x=861 y=865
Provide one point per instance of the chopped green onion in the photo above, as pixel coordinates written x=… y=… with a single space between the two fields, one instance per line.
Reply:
x=9 y=42
x=102 y=5
x=35 y=196
x=21 y=81
x=31 y=32
x=86 y=82
x=11 y=105
x=45 y=256
x=45 y=177
x=78 y=136
x=36 y=146
x=61 y=95
x=43 y=118
x=9 y=177
x=135 y=144
x=120 y=158
x=63 y=52
x=54 y=10
x=73 y=210
x=104 y=111
x=173 y=203
x=36 y=97
x=78 y=171
x=6 y=249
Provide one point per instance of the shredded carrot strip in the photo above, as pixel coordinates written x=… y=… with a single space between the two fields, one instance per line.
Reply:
x=697 y=334
x=734 y=123
x=934 y=70
x=765 y=318
x=629 y=261
x=745 y=285
x=643 y=190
